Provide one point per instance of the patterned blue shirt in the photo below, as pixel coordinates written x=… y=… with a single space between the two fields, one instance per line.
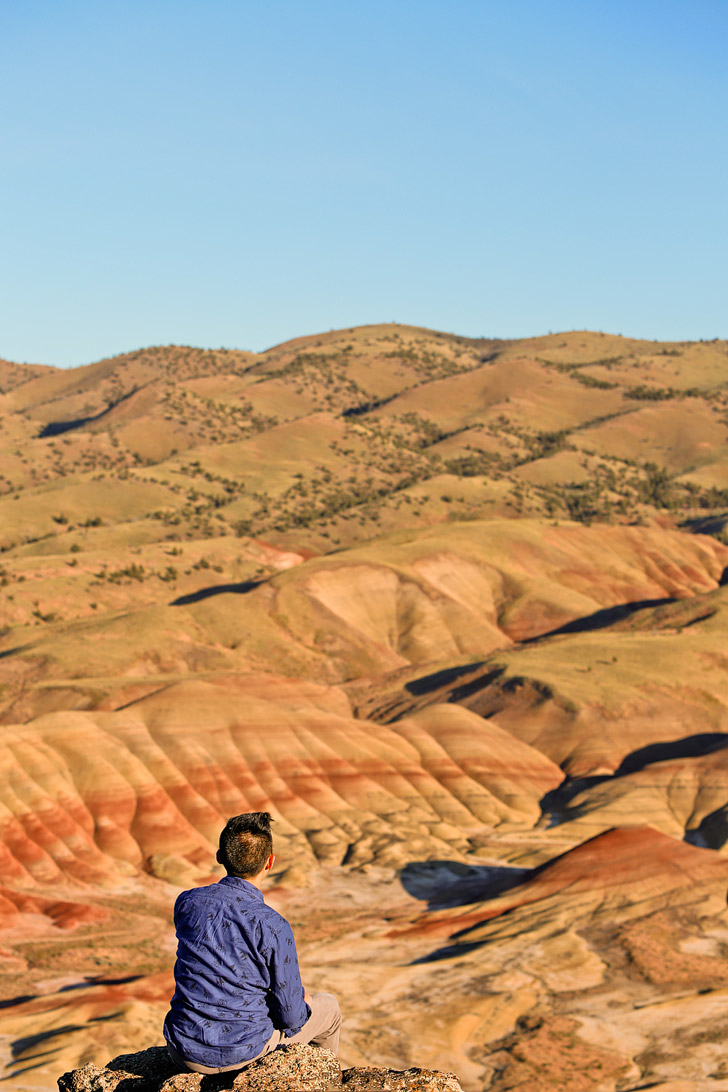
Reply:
x=236 y=975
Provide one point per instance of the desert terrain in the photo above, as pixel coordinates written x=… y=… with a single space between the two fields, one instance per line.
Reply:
x=455 y=611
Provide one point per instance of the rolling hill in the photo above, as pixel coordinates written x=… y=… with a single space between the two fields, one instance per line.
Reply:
x=455 y=610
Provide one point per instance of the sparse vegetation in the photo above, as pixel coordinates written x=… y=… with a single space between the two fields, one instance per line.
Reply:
x=378 y=441
x=147 y=552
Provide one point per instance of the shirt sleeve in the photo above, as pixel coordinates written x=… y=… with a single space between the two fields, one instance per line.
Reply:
x=288 y=1010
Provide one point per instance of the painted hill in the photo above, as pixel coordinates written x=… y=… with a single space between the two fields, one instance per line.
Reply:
x=432 y=596
x=455 y=611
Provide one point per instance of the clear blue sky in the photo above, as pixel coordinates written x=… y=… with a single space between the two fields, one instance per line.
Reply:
x=238 y=172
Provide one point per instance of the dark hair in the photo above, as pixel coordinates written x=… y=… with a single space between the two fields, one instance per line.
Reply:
x=246 y=843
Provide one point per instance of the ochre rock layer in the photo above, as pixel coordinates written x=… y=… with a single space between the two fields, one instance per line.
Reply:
x=148 y=787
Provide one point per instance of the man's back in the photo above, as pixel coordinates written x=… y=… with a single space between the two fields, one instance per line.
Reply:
x=237 y=976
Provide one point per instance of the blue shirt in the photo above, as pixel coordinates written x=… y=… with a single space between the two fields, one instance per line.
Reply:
x=236 y=975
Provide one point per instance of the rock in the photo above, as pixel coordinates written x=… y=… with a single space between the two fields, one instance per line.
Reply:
x=145 y=1071
x=183 y=1082
x=371 y=1079
x=294 y=1068
x=89 y=1078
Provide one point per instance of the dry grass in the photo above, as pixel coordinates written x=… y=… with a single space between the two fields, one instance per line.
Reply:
x=352 y=550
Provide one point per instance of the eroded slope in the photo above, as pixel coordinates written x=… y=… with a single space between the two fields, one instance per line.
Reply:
x=294 y=581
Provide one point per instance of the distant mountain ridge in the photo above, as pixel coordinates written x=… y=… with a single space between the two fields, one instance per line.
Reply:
x=373 y=424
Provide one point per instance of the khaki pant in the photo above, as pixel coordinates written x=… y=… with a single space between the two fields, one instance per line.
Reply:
x=322 y=1029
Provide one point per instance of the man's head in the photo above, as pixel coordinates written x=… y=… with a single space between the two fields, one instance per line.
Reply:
x=246 y=845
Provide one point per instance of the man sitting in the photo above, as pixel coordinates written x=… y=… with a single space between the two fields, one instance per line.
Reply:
x=238 y=992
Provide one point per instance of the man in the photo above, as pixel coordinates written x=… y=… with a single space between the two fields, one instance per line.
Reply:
x=238 y=988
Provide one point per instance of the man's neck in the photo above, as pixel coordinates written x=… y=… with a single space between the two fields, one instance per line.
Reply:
x=257 y=881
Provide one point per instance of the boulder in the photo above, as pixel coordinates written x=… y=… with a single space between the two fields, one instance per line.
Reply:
x=294 y=1068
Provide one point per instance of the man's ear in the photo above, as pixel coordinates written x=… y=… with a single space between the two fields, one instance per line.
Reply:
x=218 y=857
x=270 y=862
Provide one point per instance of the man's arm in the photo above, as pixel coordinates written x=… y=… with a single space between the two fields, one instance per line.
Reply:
x=287 y=999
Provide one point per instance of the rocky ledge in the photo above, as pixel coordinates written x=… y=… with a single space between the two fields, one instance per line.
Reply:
x=296 y=1068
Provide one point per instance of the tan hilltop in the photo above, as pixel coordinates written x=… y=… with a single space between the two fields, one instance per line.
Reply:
x=455 y=611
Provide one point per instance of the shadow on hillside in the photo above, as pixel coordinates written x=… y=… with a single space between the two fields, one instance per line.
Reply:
x=444 y=884
x=10 y=1002
x=12 y=651
x=39 y=1058
x=555 y=803
x=215 y=589
x=444 y=680
x=27 y=1042
x=704 y=743
x=57 y=428
x=99 y=980
x=439 y=679
x=602 y=618
x=448 y=951
x=84 y=984
x=714 y=525
x=367 y=407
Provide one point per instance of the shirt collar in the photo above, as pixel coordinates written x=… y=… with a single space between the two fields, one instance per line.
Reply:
x=243 y=886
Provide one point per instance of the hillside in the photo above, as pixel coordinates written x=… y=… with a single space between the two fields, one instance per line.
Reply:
x=456 y=611
x=322 y=440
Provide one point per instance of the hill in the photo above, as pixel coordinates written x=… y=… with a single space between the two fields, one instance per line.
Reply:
x=455 y=611
x=393 y=426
